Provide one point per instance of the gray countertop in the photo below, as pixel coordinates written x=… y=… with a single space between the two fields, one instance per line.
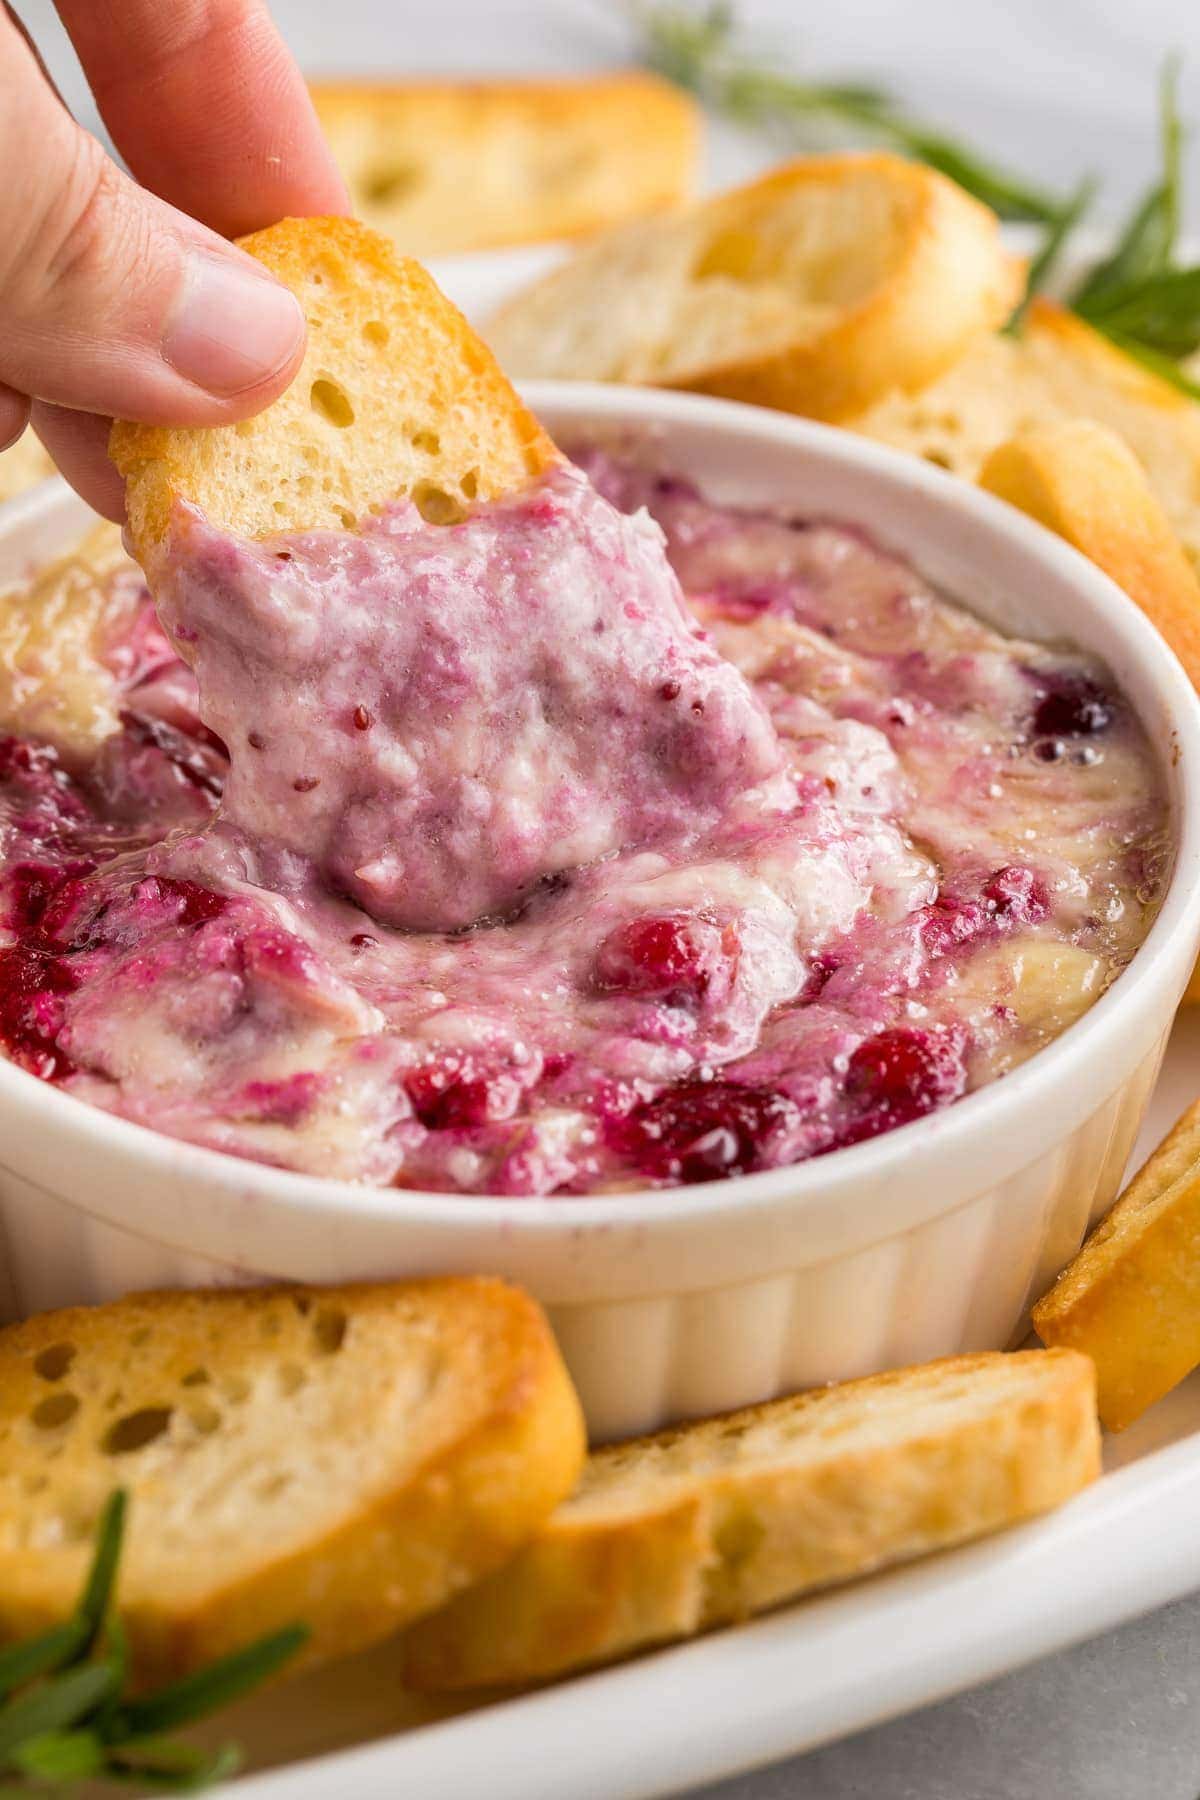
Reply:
x=1115 y=1719
x=1057 y=86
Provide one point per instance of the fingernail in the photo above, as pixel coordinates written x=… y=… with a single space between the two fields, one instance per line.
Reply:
x=230 y=328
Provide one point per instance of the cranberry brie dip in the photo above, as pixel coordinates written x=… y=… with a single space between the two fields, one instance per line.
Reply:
x=547 y=864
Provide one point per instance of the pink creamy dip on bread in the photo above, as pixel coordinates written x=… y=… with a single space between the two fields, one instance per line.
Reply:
x=612 y=837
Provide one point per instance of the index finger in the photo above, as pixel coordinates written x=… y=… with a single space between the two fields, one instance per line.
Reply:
x=207 y=107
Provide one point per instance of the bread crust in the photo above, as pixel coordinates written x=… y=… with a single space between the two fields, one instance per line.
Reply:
x=456 y=166
x=1131 y=1298
x=1082 y=481
x=396 y=396
x=482 y=1435
x=675 y=1533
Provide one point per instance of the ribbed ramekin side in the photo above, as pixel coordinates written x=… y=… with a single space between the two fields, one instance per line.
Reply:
x=962 y=1280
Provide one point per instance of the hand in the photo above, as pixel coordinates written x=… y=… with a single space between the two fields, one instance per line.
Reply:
x=113 y=298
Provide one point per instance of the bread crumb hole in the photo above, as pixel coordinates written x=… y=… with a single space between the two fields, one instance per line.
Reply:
x=55 y=1410
x=291 y=1378
x=329 y=1330
x=135 y=1430
x=53 y=1362
x=470 y=484
x=435 y=505
x=273 y=1486
x=196 y=1378
x=429 y=441
x=332 y=402
x=377 y=333
x=141 y=1336
x=302 y=1304
x=204 y=1417
x=236 y=1388
x=346 y=516
x=738 y=1537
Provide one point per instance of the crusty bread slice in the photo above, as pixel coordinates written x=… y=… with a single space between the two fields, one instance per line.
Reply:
x=1084 y=482
x=470 y=165
x=816 y=289
x=347 y=1457
x=1131 y=1298
x=699 y=1526
x=396 y=396
x=1058 y=368
x=23 y=465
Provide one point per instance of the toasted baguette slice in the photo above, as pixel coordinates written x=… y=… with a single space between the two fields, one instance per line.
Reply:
x=1059 y=368
x=1131 y=1298
x=448 y=166
x=817 y=289
x=1084 y=482
x=23 y=465
x=696 y=1527
x=348 y=1457
x=396 y=396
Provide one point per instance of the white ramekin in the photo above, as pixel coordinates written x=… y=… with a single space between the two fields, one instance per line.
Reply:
x=923 y=1242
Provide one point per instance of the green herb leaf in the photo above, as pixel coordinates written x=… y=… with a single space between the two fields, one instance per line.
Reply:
x=110 y=1533
x=202 y=1693
x=54 y=1705
x=1163 y=313
x=68 y=1722
x=171 y=1767
x=116 y=1651
x=1006 y=194
x=60 y=1756
x=1146 y=246
x=54 y=1649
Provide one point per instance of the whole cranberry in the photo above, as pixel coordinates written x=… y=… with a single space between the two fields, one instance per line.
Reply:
x=703 y=1130
x=899 y=1075
x=1071 y=705
x=672 y=954
x=32 y=986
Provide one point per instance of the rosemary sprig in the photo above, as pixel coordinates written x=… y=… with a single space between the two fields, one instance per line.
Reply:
x=62 y=1715
x=1137 y=296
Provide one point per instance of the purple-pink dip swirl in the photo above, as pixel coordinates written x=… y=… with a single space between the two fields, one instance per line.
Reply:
x=533 y=877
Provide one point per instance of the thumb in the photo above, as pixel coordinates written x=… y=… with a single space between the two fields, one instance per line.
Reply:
x=110 y=300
